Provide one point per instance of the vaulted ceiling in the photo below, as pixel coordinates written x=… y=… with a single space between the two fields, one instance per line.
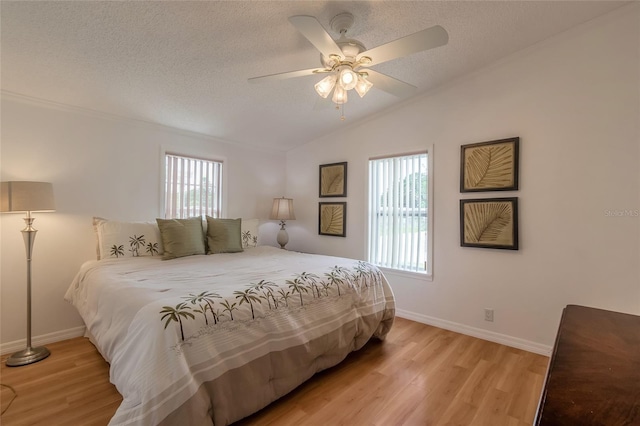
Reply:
x=185 y=64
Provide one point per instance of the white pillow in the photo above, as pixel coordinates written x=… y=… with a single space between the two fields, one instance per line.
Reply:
x=249 y=232
x=127 y=239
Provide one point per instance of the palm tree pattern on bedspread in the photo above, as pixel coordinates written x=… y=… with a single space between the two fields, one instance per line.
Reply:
x=258 y=299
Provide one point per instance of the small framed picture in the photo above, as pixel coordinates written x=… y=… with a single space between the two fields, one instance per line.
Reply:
x=489 y=223
x=490 y=166
x=332 y=219
x=333 y=180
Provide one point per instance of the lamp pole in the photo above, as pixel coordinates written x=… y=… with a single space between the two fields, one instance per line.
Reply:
x=30 y=354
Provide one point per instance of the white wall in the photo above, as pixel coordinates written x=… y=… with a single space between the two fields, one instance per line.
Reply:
x=99 y=166
x=574 y=102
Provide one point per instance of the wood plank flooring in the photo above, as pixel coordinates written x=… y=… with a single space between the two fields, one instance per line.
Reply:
x=421 y=375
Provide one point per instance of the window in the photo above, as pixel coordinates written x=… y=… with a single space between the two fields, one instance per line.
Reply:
x=193 y=187
x=399 y=223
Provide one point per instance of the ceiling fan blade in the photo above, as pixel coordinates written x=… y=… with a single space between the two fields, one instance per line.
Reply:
x=416 y=42
x=289 y=74
x=316 y=34
x=391 y=85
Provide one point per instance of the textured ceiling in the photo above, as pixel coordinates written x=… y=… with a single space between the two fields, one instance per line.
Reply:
x=185 y=64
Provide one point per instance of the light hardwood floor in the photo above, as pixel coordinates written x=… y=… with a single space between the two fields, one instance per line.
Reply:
x=420 y=375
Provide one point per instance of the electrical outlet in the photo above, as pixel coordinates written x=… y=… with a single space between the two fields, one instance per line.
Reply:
x=488 y=315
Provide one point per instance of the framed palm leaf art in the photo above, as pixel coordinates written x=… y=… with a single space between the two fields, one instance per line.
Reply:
x=332 y=219
x=489 y=223
x=333 y=180
x=490 y=166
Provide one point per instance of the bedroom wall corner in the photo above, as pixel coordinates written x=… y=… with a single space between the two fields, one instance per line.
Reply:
x=574 y=102
x=105 y=166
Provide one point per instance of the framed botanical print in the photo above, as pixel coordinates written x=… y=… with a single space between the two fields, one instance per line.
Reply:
x=332 y=219
x=490 y=166
x=333 y=180
x=489 y=223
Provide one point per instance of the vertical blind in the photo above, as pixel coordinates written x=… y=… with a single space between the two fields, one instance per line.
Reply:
x=193 y=187
x=398 y=212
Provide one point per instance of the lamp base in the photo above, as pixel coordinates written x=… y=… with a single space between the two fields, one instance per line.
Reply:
x=28 y=356
x=282 y=238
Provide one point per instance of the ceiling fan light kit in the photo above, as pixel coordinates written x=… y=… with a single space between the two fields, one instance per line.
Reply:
x=343 y=57
x=348 y=78
x=339 y=95
x=363 y=85
x=325 y=86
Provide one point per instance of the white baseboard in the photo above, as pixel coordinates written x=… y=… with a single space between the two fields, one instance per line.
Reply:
x=491 y=336
x=18 y=345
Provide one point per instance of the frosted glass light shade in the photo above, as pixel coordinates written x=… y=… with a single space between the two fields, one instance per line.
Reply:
x=339 y=95
x=348 y=78
x=19 y=196
x=325 y=86
x=363 y=86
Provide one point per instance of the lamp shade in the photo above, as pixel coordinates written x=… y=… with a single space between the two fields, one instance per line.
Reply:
x=17 y=196
x=325 y=86
x=282 y=209
x=347 y=78
x=363 y=86
x=339 y=95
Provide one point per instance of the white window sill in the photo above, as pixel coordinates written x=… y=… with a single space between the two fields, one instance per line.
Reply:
x=407 y=274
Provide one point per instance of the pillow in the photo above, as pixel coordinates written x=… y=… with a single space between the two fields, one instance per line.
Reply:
x=127 y=239
x=249 y=233
x=96 y=221
x=181 y=237
x=223 y=235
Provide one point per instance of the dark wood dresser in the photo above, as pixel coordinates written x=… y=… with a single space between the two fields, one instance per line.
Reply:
x=594 y=371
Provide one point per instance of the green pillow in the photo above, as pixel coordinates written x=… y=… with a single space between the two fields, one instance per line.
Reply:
x=223 y=235
x=181 y=237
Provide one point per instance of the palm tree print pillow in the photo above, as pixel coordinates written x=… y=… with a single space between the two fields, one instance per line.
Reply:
x=249 y=233
x=128 y=239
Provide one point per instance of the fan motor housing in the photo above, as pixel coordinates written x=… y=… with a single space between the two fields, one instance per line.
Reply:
x=351 y=48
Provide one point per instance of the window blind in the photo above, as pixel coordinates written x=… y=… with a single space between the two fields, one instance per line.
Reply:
x=193 y=187
x=398 y=212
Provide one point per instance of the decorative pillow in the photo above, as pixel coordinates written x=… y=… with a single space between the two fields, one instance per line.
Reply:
x=127 y=239
x=96 y=221
x=249 y=232
x=223 y=235
x=181 y=237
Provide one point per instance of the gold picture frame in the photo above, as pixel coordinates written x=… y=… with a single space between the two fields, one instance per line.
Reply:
x=333 y=180
x=490 y=166
x=489 y=223
x=332 y=219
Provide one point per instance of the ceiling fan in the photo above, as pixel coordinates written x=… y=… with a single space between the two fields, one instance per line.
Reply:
x=348 y=62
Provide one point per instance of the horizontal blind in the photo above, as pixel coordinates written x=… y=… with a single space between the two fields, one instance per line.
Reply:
x=193 y=187
x=398 y=212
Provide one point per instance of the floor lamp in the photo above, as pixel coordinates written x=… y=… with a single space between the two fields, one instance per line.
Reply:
x=27 y=197
x=282 y=210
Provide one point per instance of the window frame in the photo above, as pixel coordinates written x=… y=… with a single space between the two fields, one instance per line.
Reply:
x=428 y=274
x=196 y=155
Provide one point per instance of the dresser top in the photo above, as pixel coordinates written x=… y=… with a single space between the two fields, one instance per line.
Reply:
x=594 y=371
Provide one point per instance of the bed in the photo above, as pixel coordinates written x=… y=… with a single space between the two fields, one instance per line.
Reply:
x=211 y=339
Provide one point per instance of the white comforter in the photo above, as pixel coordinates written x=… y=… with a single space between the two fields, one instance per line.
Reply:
x=211 y=339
